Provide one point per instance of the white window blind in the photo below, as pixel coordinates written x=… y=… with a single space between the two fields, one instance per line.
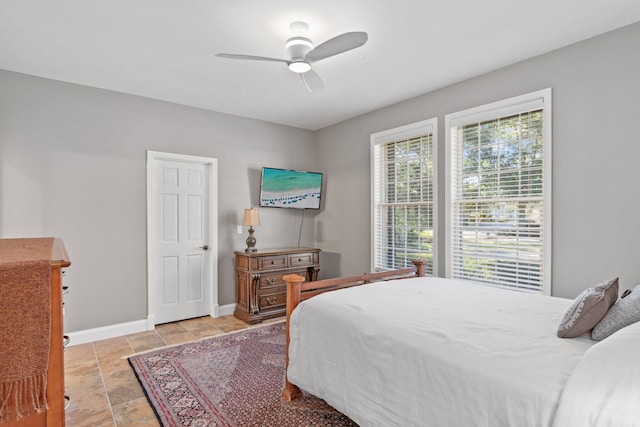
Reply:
x=403 y=194
x=499 y=209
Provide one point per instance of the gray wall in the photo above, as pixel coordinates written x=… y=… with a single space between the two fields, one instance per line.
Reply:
x=596 y=150
x=73 y=165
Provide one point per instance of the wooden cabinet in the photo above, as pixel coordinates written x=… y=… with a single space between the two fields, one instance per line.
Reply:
x=260 y=291
x=54 y=416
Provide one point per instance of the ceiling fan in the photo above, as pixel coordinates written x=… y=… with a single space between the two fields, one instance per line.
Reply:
x=302 y=53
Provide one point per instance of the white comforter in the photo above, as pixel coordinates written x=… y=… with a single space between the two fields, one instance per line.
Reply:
x=434 y=352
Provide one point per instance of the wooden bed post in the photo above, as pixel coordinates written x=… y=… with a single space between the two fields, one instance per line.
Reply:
x=293 y=281
x=420 y=266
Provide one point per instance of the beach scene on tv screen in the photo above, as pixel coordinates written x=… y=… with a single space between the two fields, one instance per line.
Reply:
x=290 y=189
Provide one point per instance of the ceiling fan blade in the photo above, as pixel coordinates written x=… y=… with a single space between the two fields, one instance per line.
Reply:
x=312 y=81
x=337 y=45
x=251 y=57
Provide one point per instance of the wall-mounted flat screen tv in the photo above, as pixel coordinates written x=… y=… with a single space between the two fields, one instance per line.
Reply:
x=284 y=188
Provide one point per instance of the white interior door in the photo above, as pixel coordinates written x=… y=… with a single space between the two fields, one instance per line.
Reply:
x=181 y=240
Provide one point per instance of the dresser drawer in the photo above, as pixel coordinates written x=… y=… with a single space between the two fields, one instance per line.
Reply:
x=272 y=262
x=278 y=289
x=276 y=279
x=271 y=280
x=299 y=260
x=272 y=301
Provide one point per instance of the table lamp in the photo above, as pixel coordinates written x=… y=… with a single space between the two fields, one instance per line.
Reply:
x=251 y=218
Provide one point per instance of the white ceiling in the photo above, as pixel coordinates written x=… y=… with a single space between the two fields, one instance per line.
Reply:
x=164 y=49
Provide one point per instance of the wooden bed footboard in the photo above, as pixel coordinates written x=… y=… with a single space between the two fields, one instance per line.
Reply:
x=298 y=291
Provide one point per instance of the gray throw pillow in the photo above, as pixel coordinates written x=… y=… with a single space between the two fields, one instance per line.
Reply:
x=588 y=309
x=623 y=313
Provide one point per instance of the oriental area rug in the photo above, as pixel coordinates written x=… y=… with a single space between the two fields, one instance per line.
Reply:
x=230 y=380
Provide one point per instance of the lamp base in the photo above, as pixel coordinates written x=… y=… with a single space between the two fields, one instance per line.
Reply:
x=251 y=242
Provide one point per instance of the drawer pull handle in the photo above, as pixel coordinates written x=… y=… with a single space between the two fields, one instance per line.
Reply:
x=271 y=301
x=65 y=290
x=271 y=280
x=67 y=402
x=65 y=340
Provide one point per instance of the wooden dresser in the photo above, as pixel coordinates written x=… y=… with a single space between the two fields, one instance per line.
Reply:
x=55 y=415
x=260 y=291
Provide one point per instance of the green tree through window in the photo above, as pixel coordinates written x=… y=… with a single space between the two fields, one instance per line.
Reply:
x=497 y=205
x=403 y=202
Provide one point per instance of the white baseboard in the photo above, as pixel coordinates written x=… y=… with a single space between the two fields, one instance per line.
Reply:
x=106 y=332
x=226 y=310
x=113 y=331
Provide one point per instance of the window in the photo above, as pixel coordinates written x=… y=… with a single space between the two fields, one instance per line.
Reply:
x=499 y=193
x=403 y=196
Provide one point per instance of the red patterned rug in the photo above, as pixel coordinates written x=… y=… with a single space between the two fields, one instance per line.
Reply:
x=230 y=380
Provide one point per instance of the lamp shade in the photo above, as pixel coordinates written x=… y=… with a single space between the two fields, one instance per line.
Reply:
x=251 y=217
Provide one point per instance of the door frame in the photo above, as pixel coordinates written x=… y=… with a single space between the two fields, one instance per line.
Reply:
x=152 y=222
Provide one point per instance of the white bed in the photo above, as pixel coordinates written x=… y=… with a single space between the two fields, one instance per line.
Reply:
x=441 y=352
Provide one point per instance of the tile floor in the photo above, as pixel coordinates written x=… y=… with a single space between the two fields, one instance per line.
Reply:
x=103 y=388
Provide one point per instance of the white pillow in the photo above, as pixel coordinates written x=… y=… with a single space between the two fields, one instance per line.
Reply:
x=604 y=388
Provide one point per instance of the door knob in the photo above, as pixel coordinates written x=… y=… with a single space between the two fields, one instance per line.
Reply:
x=205 y=247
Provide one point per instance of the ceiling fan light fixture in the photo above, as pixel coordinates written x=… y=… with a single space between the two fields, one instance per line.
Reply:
x=299 y=67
